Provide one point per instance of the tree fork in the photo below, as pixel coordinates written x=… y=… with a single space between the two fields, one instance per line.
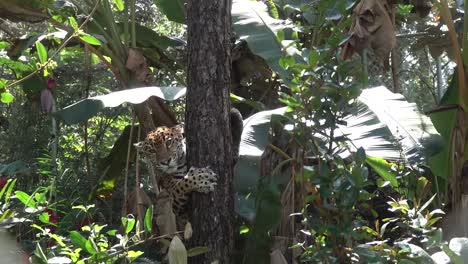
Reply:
x=208 y=125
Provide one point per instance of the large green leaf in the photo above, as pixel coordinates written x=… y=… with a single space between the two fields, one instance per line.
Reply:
x=87 y=108
x=387 y=126
x=253 y=142
x=382 y=123
x=173 y=9
x=148 y=38
x=251 y=22
x=14 y=168
x=445 y=121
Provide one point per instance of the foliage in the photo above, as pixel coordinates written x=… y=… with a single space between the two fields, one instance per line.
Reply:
x=355 y=158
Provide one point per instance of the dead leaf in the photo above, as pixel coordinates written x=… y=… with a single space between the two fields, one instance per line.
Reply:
x=138 y=65
x=137 y=199
x=165 y=217
x=47 y=101
x=188 y=231
x=372 y=28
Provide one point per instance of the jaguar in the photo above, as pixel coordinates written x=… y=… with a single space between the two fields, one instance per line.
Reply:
x=164 y=149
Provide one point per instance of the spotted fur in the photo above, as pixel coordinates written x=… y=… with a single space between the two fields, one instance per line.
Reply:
x=164 y=149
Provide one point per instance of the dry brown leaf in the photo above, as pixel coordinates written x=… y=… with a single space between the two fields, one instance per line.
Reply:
x=372 y=28
x=47 y=101
x=165 y=217
x=188 y=231
x=137 y=64
x=133 y=201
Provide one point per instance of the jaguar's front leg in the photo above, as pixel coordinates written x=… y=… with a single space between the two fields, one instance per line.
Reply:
x=197 y=180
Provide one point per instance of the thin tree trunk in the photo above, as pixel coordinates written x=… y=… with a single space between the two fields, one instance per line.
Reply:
x=208 y=126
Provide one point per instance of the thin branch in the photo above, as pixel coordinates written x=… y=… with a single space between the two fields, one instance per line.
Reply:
x=57 y=51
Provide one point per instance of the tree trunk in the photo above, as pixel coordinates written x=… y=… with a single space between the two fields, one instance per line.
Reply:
x=208 y=127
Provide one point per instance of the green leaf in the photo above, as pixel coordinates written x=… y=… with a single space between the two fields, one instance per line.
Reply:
x=148 y=222
x=252 y=23
x=90 y=247
x=383 y=168
x=173 y=9
x=4 y=45
x=78 y=240
x=456 y=259
x=2 y=191
x=313 y=58
x=254 y=140
x=119 y=4
x=25 y=199
x=41 y=52
x=148 y=38
x=426 y=204
x=132 y=255
x=44 y=218
x=286 y=62
x=73 y=23
x=87 y=108
x=445 y=122
x=90 y=39
x=197 y=251
x=6 y=97
x=15 y=167
x=387 y=126
x=421 y=187
x=112 y=232
x=177 y=253
x=244 y=230
x=8 y=188
x=3 y=83
x=40 y=253
x=128 y=224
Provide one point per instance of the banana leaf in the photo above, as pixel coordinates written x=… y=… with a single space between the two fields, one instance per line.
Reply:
x=89 y=107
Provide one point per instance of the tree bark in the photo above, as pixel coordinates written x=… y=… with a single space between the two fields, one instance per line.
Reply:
x=208 y=126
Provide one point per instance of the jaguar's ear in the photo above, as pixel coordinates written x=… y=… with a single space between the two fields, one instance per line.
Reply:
x=180 y=128
x=139 y=145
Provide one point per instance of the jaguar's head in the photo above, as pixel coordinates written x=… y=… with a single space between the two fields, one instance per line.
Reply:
x=164 y=147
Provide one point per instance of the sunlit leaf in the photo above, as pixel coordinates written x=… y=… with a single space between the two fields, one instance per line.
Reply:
x=87 y=108
x=78 y=239
x=383 y=168
x=119 y=4
x=389 y=127
x=132 y=255
x=90 y=39
x=6 y=97
x=177 y=253
x=41 y=52
x=252 y=23
x=148 y=222
x=25 y=199
x=128 y=223
x=90 y=247
x=44 y=217
x=73 y=23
